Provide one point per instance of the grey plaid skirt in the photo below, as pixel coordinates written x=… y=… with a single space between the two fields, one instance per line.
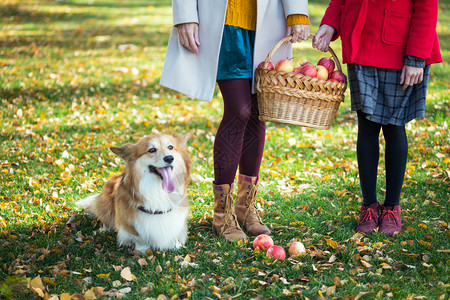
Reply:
x=378 y=93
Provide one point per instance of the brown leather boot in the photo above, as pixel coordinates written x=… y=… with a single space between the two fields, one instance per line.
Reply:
x=245 y=209
x=224 y=220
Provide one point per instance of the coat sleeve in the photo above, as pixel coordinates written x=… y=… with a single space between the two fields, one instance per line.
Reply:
x=295 y=7
x=422 y=33
x=332 y=16
x=184 y=11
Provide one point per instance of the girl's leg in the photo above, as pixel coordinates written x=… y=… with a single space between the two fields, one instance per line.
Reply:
x=229 y=139
x=253 y=147
x=396 y=157
x=368 y=152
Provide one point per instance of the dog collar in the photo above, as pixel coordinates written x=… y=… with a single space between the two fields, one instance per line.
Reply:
x=156 y=212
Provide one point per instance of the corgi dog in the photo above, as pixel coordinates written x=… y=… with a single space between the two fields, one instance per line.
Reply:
x=147 y=203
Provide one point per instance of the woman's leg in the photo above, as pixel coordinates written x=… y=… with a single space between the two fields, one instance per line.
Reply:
x=253 y=146
x=396 y=157
x=368 y=152
x=229 y=139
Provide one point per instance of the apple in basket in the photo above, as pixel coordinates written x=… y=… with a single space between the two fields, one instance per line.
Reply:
x=270 y=65
x=322 y=72
x=338 y=76
x=309 y=70
x=284 y=65
x=306 y=63
x=297 y=70
x=328 y=63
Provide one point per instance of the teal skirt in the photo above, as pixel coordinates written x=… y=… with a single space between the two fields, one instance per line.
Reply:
x=236 y=53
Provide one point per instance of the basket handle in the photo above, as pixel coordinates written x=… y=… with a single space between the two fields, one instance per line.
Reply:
x=287 y=39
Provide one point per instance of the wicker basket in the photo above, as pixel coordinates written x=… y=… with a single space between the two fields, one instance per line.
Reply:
x=296 y=99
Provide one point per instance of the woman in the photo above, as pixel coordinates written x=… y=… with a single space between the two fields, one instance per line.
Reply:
x=388 y=46
x=224 y=41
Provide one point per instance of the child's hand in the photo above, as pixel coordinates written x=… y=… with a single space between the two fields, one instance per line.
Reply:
x=410 y=76
x=323 y=37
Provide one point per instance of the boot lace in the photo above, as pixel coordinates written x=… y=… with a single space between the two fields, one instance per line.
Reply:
x=230 y=221
x=252 y=195
x=368 y=214
x=390 y=216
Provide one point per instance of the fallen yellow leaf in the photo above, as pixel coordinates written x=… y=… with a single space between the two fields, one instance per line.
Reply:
x=49 y=281
x=90 y=295
x=126 y=274
x=103 y=276
x=37 y=286
x=421 y=225
x=65 y=296
x=332 y=243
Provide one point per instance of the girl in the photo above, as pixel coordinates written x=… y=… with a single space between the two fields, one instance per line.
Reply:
x=388 y=46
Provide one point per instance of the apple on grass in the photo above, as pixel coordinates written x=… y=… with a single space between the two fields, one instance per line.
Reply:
x=328 y=63
x=262 y=242
x=270 y=65
x=296 y=249
x=338 y=76
x=284 y=65
x=276 y=252
x=322 y=73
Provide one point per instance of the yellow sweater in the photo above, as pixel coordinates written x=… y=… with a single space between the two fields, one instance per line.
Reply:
x=242 y=13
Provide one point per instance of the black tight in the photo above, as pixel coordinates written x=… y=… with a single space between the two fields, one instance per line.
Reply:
x=368 y=152
x=240 y=137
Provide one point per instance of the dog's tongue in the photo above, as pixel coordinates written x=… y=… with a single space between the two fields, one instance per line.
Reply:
x=167 y=184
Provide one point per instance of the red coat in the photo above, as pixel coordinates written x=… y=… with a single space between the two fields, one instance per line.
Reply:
x=379 y=33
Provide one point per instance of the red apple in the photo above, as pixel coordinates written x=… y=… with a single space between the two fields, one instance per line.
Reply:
x=309 y=71
x=328 y=63
x=296 y=249
x=262 y=242
x=322 y=73
x=284 y=65
x=297 y=70
x=276 y=252
x=269 y=65
x=306 y=63
x=339 y=76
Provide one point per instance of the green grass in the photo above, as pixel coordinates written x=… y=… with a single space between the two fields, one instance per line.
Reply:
x=79 y=76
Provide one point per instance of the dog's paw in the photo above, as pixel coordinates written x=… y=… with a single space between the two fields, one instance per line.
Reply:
x=179 y=245
x=141 y=248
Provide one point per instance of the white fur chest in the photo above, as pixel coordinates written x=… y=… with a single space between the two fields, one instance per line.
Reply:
x=163 y=231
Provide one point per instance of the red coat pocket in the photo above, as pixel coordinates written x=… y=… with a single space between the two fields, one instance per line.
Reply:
x=396 y=26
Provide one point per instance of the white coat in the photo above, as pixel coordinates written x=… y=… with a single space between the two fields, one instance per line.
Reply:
x=195 y=75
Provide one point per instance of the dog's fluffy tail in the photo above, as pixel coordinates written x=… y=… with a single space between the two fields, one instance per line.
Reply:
x=87 y=203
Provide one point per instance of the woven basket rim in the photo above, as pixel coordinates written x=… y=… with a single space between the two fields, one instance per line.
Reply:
x=287 y=39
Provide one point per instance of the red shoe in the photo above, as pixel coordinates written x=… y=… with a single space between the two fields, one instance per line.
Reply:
x=368 y=220
x=390 y=222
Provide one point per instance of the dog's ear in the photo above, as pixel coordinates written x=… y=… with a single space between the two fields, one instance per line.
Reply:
x=124 y=152
x=182 y=139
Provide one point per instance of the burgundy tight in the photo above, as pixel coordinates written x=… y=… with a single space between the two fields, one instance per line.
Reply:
x=240 y=138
